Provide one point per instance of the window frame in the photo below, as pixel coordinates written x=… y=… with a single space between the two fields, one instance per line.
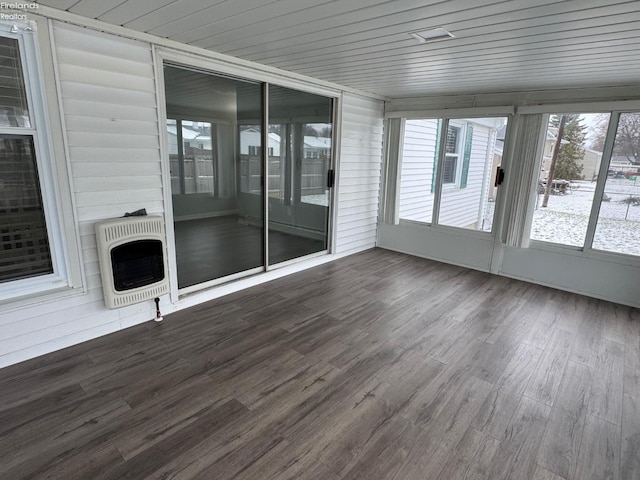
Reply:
x=462 y=119
x=41 y=89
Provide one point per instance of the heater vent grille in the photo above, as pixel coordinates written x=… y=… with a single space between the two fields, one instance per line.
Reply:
x=144 y=270
x=134 y=228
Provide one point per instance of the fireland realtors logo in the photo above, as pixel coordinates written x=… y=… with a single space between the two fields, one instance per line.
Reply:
x=16 y=11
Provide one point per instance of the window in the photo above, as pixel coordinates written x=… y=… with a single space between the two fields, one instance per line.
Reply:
x=257 y=150
x=618 y=222
x=191 y=156
x=32 y=254
x=472 y=152
x=449 y=168
x=588 y=188
x=565 y=184
x=25 y=244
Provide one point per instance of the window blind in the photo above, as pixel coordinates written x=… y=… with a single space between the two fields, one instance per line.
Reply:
x=524 y=170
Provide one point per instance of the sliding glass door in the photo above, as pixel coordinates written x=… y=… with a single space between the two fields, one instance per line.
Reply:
x=218 y=226
x=219 y=150
x=300 y=133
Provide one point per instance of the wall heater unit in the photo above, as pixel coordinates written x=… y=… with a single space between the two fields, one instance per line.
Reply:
x=132 y=258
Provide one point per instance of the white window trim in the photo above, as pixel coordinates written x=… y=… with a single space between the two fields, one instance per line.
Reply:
x=62 y=228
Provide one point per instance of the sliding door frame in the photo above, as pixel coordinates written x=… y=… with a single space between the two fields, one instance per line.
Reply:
x=167 y=56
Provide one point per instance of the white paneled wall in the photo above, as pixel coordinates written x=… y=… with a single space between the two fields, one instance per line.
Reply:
x=416 y=170
x=359 y=173
x=109 y=102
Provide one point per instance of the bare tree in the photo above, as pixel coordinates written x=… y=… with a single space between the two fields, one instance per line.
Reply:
x=627 y=135
x=556 y=150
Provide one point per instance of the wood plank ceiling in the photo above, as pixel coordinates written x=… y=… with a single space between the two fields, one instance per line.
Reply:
x=500 y=46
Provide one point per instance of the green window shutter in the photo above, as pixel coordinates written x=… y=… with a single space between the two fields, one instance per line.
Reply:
x=435 y=157
x=467 y=156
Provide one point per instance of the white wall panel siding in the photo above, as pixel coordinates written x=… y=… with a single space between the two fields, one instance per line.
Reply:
x=359 y=173
x=416 y=170
x=109 y=101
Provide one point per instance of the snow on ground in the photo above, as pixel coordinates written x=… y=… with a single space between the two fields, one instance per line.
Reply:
x=321 y=199
x=565 y=218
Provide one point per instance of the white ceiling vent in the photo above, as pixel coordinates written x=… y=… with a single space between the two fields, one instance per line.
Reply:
x=432 y=35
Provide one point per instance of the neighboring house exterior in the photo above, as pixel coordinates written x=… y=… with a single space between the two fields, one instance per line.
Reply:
x=590 y=160
x=547 y=152
x=623 y=164
x=591 y=164
x=316 y=147
x=251 y=141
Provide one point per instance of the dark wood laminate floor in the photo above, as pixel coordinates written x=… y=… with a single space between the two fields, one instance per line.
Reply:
x=376 y=366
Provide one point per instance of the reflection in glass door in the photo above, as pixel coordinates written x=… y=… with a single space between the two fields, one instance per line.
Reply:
x=300 y=136
x=218 y=213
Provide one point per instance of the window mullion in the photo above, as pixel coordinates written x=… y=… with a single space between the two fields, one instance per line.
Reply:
x=183 y=189
x=214 y=159
x=602 y=180
x=440 y=171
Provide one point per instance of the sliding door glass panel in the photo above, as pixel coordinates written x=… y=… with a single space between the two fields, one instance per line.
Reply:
x=571 y=157
x=618 y=227
x=473 y=151
x=215 y=179
x=417 y=174
x=300 y=153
